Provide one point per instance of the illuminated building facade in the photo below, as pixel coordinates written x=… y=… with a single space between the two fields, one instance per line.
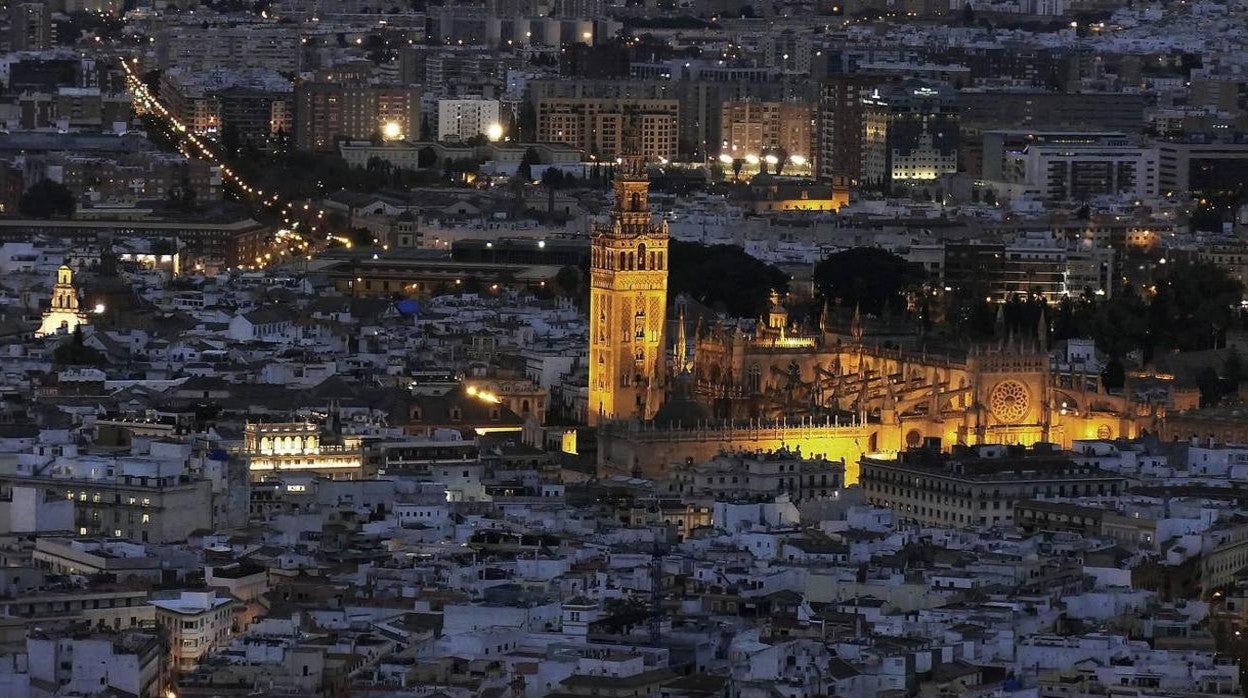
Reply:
x=598 y=126
x=300 y=446
x=326 y=112
x=628 y=301
x=63 y=315
x=755 y=128
x=910 y=133
x=765 y=389
x=978 y=486
x=462 y=119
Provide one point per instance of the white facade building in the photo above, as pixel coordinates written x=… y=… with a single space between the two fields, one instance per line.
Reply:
x=461 y=119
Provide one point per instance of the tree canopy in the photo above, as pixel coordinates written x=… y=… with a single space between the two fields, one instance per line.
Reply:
x=723 y=277
x=46 y=199
x=866 y=277
x=73 y=352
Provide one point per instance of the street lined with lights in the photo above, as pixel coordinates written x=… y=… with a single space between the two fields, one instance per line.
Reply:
x=286 y=242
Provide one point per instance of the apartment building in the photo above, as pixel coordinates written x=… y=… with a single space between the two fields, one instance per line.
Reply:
x=326 y=112
x=598 y=126
x=195 y=622
x=753 y=128
x=461 y=119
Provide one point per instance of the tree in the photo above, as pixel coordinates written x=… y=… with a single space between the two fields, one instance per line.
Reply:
x=782 y=157
x=737 y=164
x=1210 y=387
x=74 y=352
x=552 y=178
x=181 y=198
x=866 y=277
x=968 y=15
x=230 y=140
x=724 y=277
x=1115 y=374
x=362 y=237
x=990 y=197
x=527 y=161
x=568 y=279
x=46 y=199
x=1193 y=305
x=1233 y=368
x=426 y=157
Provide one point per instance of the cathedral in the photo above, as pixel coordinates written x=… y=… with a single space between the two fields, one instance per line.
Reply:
x=762 y=385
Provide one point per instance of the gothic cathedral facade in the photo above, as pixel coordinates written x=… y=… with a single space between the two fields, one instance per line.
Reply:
x=627 y=303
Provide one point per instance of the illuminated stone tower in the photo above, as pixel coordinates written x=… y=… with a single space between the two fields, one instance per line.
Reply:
x=63 y=315
x=627 y=300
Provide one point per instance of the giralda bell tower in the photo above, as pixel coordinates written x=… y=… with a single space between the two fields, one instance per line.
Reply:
x=627 y=298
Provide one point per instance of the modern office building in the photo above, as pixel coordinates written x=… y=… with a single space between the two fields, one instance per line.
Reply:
x=1202 y=168
x=1074 y=172
x=910 y=133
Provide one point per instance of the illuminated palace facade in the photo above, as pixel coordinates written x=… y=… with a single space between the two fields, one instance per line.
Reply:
x=300 y=446
x=755 y=386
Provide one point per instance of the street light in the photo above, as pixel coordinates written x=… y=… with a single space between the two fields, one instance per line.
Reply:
x=494 y=132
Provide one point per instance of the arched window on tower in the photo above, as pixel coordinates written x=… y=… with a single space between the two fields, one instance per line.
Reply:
x=623 y=260
x=631 y=261
x=641 y=256
x=634 y=202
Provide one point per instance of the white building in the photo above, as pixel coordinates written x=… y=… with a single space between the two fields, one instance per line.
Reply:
x=195 y=622
x=1066 y=172
x=461 y=119
x=127 y=662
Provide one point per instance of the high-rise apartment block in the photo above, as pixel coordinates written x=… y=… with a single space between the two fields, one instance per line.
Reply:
x=328 y=111
x=461 y=119
x=597 y=125
x=30 y=26
x=752 y=128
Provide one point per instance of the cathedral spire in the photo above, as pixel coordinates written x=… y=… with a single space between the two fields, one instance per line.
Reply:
x=682 y=348
x=1042 y=332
